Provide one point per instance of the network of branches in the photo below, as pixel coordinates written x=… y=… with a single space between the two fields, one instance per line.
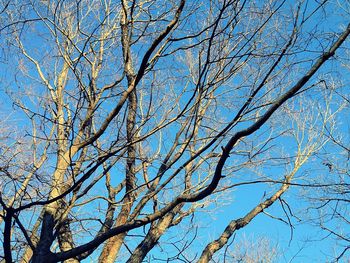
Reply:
x=152 y=131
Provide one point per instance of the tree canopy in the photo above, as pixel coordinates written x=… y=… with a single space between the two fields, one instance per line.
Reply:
x=131 y=128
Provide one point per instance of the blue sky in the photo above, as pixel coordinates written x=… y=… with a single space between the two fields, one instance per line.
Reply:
x=235 y=203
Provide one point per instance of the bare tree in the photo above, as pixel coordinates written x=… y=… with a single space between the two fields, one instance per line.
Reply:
x=131 y=116
x=253 y=250
x=328 y=204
